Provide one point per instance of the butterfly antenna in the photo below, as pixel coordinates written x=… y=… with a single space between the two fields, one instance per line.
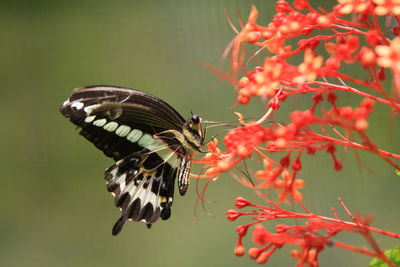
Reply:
x=205 y=132
x=215 y=135
x=211 y=124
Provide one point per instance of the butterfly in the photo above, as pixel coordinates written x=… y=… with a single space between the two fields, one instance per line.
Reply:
x=151 y=143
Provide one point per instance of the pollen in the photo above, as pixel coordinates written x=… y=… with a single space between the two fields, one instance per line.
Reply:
x=367 y=57
x=253 y=37
x=280 y=132
x=224 y=165
x=208 y=156
x=295 y=26
x=323 y=21
x=281 y=142
x=243 y=82
x=243 y=151
x=361 y=125
x=210 y=171
x=259 y=77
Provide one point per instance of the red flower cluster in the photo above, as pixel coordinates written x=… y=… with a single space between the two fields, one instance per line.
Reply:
x=310 y=238
x=284 y=181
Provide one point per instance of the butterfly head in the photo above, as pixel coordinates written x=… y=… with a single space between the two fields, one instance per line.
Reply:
x=193 y=132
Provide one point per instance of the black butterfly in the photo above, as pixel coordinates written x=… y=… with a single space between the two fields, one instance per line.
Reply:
x=149 y=140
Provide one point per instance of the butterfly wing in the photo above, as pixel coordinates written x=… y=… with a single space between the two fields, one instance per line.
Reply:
x=143 y=184
x=117 y=120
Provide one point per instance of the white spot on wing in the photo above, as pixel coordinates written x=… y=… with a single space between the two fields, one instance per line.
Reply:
x=113 y=174
x=77 y=105
x=142 y=195
x=154 y=200
x=123 y=130
x=121 y=182
x=131 y=189
x=100 y=122
x=111 y=126
x=89 y=109
x=90 y=119
x=66 y=102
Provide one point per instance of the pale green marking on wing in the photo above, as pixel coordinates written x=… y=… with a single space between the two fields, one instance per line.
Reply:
x=134 y=135
x=146 y=140
x=123 y=130
x=167 y=154
x=90 y=119
x=156 y=145
x=100 y=122
x=111 y=126
x=161 y=149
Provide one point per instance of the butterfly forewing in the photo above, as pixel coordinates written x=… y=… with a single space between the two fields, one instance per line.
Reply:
x=151 y=143
x=118 y=120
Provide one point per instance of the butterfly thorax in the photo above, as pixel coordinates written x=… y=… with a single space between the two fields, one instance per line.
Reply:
x=190 y=141
x=191 y=137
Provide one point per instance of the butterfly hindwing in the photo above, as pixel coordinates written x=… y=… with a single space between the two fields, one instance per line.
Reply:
x=143 y=185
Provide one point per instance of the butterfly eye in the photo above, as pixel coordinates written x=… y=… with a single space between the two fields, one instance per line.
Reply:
x=195 y=119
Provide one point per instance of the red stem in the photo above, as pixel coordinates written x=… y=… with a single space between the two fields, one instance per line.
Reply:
x=382 y=153
x=345 y=223
x=352 y=248
x=389 y=102
x=362 y=251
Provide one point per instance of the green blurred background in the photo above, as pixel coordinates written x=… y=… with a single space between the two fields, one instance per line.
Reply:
x=54 y=209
